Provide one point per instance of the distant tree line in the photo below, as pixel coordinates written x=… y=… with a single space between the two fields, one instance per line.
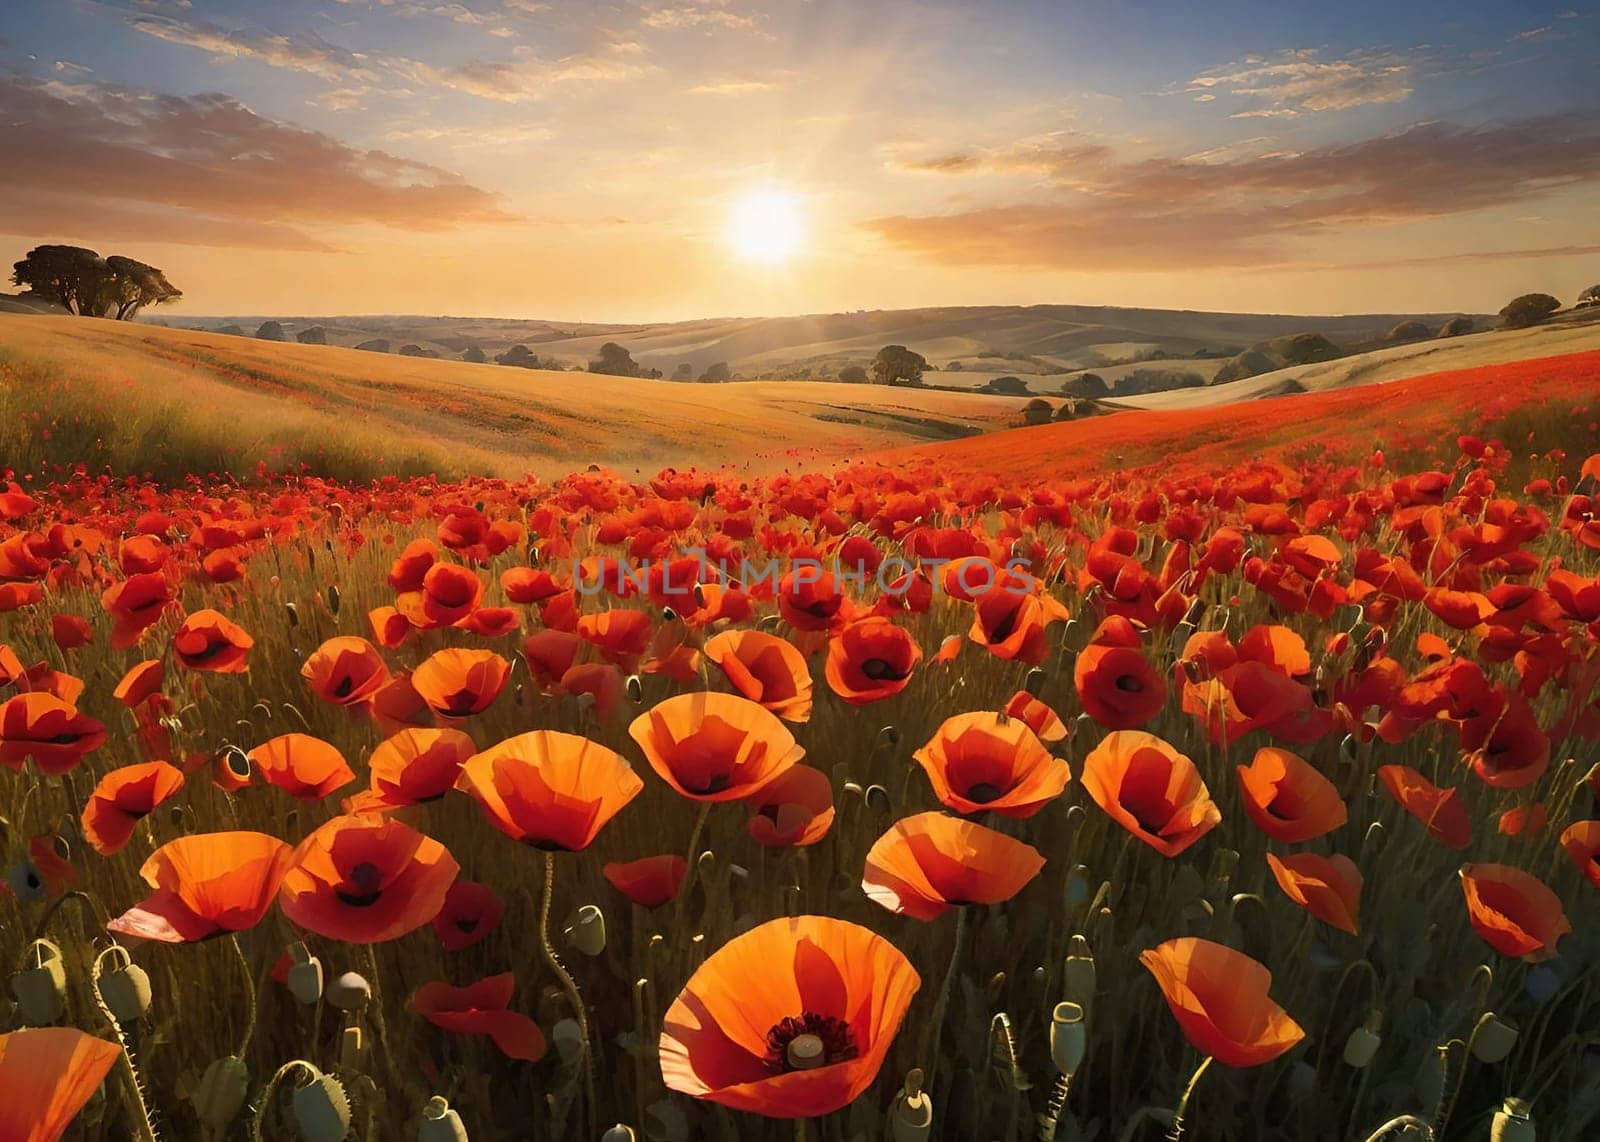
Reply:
x=84 y=283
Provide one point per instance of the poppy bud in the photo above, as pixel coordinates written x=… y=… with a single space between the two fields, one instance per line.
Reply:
x=889 y=737
x=1034 y=681
x=294 y=614
x=1302 y=1080
x=1512 y=1122
x=26 y=882
x=1372 y=843
x=321 y=1109
x=1067 y=1037
x=568 y=1039
x=911 y=1116
x=1430 y=1078
x=41 y=990
x=619 y=1133
x=1493 y=1038
x=333 y=597
x=440 y=1123
x=232 y=770
x=125 y=990
x=349 y=992
x=305 y=974
x=1078 y=974
x=588 y=932
x=635 y=688
x=1078 y=885
x=877 y=798
x=1364 y=1042
x=220 y=1093
x=1223 y=864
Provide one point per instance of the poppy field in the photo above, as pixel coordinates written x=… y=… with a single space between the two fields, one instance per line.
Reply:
x=994 y=790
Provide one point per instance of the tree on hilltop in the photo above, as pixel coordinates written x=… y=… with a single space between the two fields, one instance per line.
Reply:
x=716 y=374
x=1528 y=310
x=853 y=375
x=895 y=364
x=82 y=282
x=614 y=361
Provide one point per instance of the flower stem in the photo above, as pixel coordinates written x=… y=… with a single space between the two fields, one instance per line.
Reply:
x=691 y=863
x=930 y=1036
x=568 y=984
x=1176 y=1133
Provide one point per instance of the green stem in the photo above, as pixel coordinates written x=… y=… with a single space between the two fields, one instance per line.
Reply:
x=1396 y=1123
x=691 y=864
x=568 y=984
x=249 y=995
x=930 y=1036
x=1176 y=1133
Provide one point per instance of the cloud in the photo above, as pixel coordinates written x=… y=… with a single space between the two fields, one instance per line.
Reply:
x=732 y=87
x=66 y=65
x=204 y=170
x=1532 y=34
x=1107 y=212
x=706 y=15
x=521 y=80
x=305 y=54
x=1300 y=80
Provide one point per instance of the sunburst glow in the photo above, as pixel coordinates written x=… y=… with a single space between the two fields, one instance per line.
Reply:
x=767 y=224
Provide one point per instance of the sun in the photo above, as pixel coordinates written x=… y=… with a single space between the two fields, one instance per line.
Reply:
x=767 y=225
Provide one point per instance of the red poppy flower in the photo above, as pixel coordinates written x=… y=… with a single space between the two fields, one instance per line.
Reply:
x=1251 y=695
x=1288 y=798
x=929 y=863
x=139 y=682
x=1010 y=619
x=69 y=632
x=551 y=790
x=123 y=798
x=449 y=593
x=470 y=913
x=599 y=681
x=415 y=765
x=1581 y=839
x=1524 y=820
x=1037 y=716
x=482 y=1008
x=621 y=636
x=345 y=670
x=50 y=731
x=528 y=585
x=1440 y=810
x=207 y=640
x=365 y=879
x=48 y=1073
x=650 y=881
x=1219 y=997
x=406 y=572
x=810 y=598
x=490 y=622
x=986 y=761
x=1507 y=748
x=795 y=810
x=301 y=765
x=389 y=626
x=1151 y=790
x=715 y=747
x=207 y=884
x=1327 y=887
x=871 y=659
x=792 y=1019
x=1117 y=685
x=766 y=669
x=460 y=683
x=551 y=653
x=1516 y=914
x=135 y=604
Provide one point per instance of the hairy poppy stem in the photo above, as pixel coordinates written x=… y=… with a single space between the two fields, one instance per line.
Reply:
x=249 y=995
x=1176 y=1133
x=1409 y=1120
x=568 y=984
x=930 y=1037
x=689 y=859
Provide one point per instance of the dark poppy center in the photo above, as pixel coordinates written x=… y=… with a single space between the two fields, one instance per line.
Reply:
x=984 y=792
x=880 y=670
x=66 y=737
x=808 y=1041
x=467 y=925
x=716 y=783
x=1004 y=628
x=822 y=608
x=207 y=652
x=346 y=684
x=1129 y=684
x=367 y=882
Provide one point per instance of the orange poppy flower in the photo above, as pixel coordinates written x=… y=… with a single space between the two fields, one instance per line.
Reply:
x=811 y=599
x=207 y=884
x=871 y=659
x=1037 y=716
x=1507 y=748
x=389 y=626
x=551 y=653
x=406 y=572
x=1010 y=620
x=69 y=632
x=1151 y=790
x=1219 y=997
x=482 y=1008
x=48 y=1073
x=795 y=810
x=448 y=594
x=929 y=863
x=50 y=731
x=1116 y=683
x=1581 y=839
x=528 y=584
x=365 y=879
x=987 y=761
x=123 y=798
x=1288 y=798
x=650 y=881
x=345 y=671
x=207 y=640
x=1440 y=810
x=470 y=913
x=1515 y=913
x=135 y=605
x=599 y=681
x=139 y=682
x=301 y=765
x=1327 y=887
x=490 y=622
x=551 y=790
x=715 y=747
x=459 y=683
x=415 y=765
x=765 y=669
x=792 y=1019
x=620 y=635
x=1524 y=820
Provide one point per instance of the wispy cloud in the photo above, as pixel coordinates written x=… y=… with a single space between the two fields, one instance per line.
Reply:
x=710 y=14
x=296 y=53
x=732 y=87
x=525 y=78
x=1302 y=80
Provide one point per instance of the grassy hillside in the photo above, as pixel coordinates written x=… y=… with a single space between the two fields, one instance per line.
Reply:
x=139 y=398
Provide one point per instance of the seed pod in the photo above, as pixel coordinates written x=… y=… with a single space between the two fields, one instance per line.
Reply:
x=635 y=688
x=333 y=597
x=911 y=1116
x=322 y=1110
x=41 y=989
x=619 y=1133
x=220 y=1093
x=26 y=882
x=1430 y=1078
x=1364 y=1042
x=877 y=798
x=125 y=989
x=1034 y=681
x=1078 y=975
x=588 y=932
x=305 y=974
x=1493 y=1038
x=1512 y=1123
x=568 y=1038
x=294 y=614
x=349 y=992
x=1068 y=1038
x=440 y=1123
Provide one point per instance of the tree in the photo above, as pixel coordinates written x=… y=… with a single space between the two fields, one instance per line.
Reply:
x=1457 y=327
x=1529 y=309
x=1085 y=385
x=1007 y=386
x=518 y=356
x=853 y=375
x=895 y=364
x=474 y=355
x=84 y=283
x=1588 y=297
x=416 y=351
x=1037 y=411
x=316 y=335
x=614 y=361
x=716 y=374
x=270 y=331
x=684 y=372
x=376 y=345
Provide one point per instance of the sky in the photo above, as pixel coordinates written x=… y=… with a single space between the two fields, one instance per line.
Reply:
x=652 y=160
